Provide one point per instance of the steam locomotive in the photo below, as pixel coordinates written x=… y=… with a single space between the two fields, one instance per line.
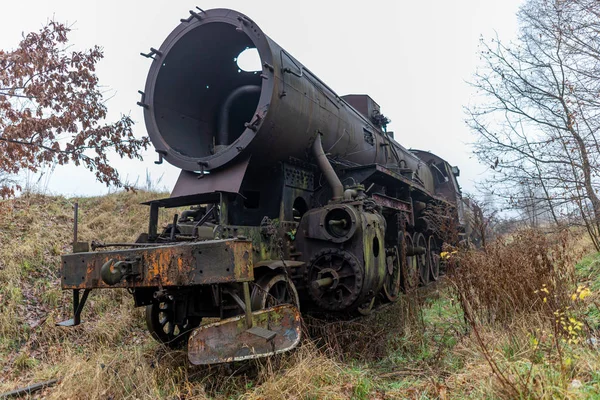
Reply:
x=296 y=199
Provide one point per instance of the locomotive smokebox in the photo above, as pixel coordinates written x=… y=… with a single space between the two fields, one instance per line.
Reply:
x=201 y=108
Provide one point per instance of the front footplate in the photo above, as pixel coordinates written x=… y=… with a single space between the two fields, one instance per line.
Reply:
x=274 y=330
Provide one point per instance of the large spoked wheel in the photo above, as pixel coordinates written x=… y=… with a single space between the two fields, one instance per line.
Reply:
x=273 y=289
x=410 y=270
x=160 y=320
x=392 y=282
x=434 y=260
x=419 y=241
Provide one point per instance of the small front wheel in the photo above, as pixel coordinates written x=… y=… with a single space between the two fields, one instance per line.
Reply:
x=161 y=322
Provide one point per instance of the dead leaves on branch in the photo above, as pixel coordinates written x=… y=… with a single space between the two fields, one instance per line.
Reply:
x=52 y=110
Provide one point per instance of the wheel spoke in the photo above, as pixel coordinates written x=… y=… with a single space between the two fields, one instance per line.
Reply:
x=343 y=286
x=279 y=296
x=284 y=294
x=160 y=320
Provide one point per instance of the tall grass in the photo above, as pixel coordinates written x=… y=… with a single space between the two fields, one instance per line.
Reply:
x=527 y=272
x=520 y=297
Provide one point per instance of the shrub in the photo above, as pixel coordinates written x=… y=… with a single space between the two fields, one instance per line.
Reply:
x=527 y=271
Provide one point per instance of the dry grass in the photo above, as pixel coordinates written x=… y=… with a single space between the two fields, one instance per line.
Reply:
x=528 y=271
x=34 y=231
x=527 y=313
x=421 y=347
x=369 y=338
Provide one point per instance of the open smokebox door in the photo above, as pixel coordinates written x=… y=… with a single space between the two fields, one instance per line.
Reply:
x=270 y=331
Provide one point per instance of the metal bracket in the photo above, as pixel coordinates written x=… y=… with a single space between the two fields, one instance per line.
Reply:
x=77 y=308
x=202 y=164
x=193 y=15
x=161 y=154
x=247 y=301
x=141 y=102
x=152 y=53
x=263 y=333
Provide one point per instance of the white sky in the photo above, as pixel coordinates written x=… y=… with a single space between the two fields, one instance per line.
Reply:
x=411 y=57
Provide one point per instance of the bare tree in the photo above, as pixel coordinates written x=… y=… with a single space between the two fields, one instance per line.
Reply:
x=538 y=111
x=52 y=110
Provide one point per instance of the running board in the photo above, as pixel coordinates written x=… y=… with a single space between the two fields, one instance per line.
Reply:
x=274 y=330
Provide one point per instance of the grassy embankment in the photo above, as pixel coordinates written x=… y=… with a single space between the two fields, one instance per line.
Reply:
x=424 y=346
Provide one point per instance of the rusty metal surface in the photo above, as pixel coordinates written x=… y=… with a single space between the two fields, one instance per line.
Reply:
x=387 y=176
x=362 y=103
x=213 y=261
x=316 y=223
x=230 y=340
x=189 y=183
x=356 y=271
x=299 y=178
x=391 y=202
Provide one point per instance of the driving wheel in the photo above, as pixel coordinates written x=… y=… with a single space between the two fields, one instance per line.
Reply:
x=392 y=282
x=423 y=265
x=410 y=270
x=433 y=258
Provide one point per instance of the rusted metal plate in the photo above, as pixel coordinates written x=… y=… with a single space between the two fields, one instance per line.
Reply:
x=199 y=263
x=380 y=174
x=189 y=184
x=298 y=178
x=231 y=340
x=391 y=202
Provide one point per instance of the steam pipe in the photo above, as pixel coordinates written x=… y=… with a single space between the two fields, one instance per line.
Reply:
x=223 y=134
x=327 y=169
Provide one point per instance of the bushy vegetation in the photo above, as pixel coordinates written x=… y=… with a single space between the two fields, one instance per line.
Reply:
x=530 y=310
x=484 y=333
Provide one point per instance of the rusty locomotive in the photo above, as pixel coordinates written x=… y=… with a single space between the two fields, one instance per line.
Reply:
x=296 y=198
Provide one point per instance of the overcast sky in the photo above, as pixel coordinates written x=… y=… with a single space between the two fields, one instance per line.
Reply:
x=411 y=57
